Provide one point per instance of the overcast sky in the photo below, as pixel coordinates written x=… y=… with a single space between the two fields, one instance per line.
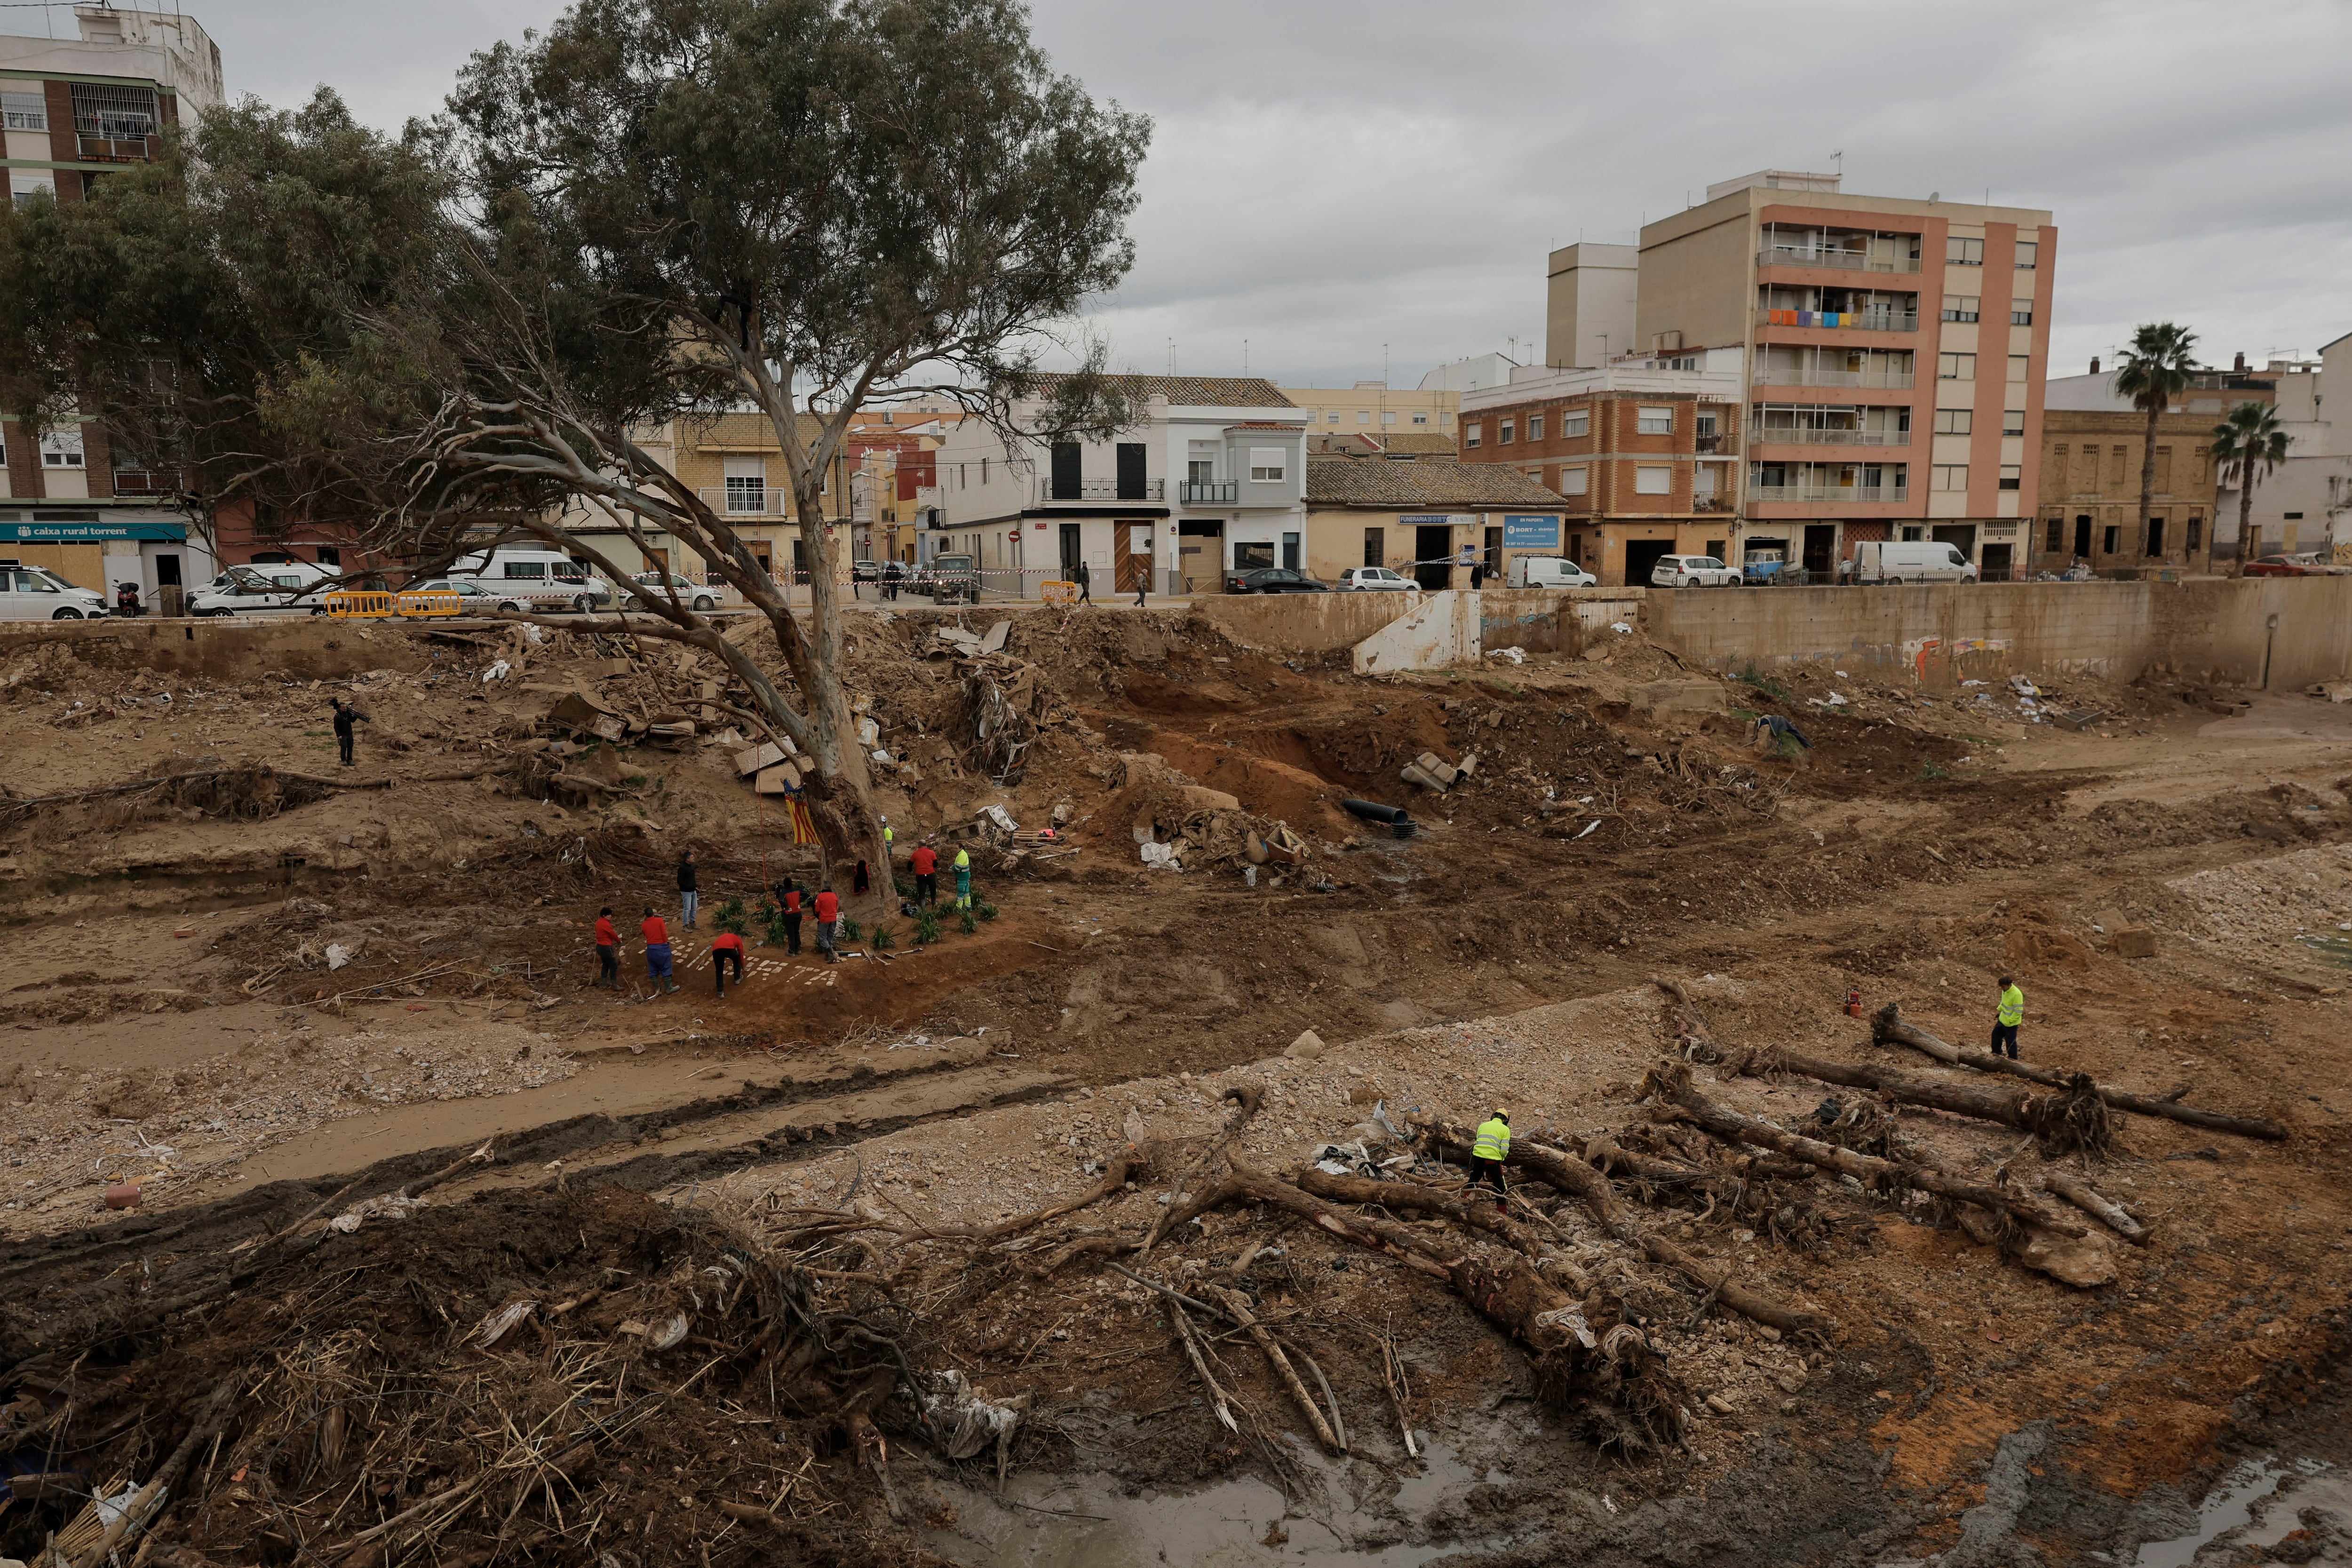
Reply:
x=1328 y=180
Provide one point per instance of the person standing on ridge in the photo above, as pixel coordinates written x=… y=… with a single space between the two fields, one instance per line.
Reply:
x=608 y=950
x=2005 y=1021
x=658 y=965
x=689 y=895
x=828 y=921
x=925 y=861
x=726 y=948
x=788 y=898
x=963 y=878
x=1487 y=1154
x=345 y=717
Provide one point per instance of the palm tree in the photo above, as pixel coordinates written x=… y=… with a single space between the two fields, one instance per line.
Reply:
x=2152 y=372
x=2249 y=444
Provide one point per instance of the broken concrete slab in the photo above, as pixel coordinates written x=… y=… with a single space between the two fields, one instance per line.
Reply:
x=995 y=641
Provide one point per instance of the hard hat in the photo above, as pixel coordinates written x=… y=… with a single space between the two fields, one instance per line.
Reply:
x=1502 y=1114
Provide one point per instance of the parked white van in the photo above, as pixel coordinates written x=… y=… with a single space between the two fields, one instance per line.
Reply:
x=1549 y=571
x=276 y=589
x=1892 y=561
x=37 y=593
x=550 y=579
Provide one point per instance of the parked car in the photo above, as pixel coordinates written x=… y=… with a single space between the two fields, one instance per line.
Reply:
x=1693 y=571
x=37 y=593
x=692 y=594
x=2307 y=564
x=1274 y=580
x=1549 y=571
x=474 y=596
x=1764 y=567
x=276 y=589
x=1893 y=562
x=1374 y=580
x=550 y=579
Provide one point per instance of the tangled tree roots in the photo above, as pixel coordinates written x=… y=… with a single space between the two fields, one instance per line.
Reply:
x=2074 y=1120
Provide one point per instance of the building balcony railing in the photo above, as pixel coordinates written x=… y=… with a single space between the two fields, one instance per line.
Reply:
x=1848 y=260
x=1805 y=435
x=146 y=481
x=735 y=501
x=1865 y=320
x=1225 y=494
x=1856 y=494
x=1812 y=375
x=110 y=149
x=1100 y=489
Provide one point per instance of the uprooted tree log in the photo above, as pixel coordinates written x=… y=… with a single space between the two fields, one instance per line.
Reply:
x=1889 y=1026
x=2081 y=1193
x=1678 y=1098
x=1574 y=1176
x=2072 y=1121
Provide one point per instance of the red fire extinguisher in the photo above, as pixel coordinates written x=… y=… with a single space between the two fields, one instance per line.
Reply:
x=1854 y=1004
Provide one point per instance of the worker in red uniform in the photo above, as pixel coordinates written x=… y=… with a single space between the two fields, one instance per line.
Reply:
x=657 y=965
x=726 y=948
x=608 y=950
x=926 y=874
x=789 y=897
x=828 y=921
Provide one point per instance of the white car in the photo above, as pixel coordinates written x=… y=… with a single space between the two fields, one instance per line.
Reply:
x=37 y=593
x=474 y=598
x=277 y=588
x=1550 y=572
x=1693 y=571
x=692 y=594
x=1374 y=580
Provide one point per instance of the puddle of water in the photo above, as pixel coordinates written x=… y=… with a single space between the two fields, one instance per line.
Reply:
x=2335 y=950
x=2229 y=1507
x=2332 y=1492
x=1087 y=1522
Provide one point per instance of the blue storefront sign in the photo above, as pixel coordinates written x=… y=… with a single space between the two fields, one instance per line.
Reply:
x=88 y=533
x=1530 y=531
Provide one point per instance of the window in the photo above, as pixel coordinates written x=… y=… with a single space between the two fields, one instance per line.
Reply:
x=1961 y=306
x=23 y=184
x=1201 y=471
x=2011 y=475
x=1421 y=419
x=2291 y=516
x=2054 y=536
x=2156 y=536
x=2012 y=421
x=2029 y=255
x=1267 y=464
x=1576 y=421
x=1655 y=422
x=1376 y=546
x=1960 y=252
x=24 y=112
x=1534 y=426
x=1470 y=434
x=1956 y=367
x=1652 y=482
x=1387 y=417
x=1955 y=421
x=2195 y=532
x=61 y=449
x=2021 y=315
x=1572 y=481
x=1708 y=425
x=525 y=570
x=327 y=554
x=1332 y=417
x=1951 y=477
x=983 y=470
x=2017 y=367
x=116 y=113
x=1503 y=436
x=2109 y=538
x=1363 y=416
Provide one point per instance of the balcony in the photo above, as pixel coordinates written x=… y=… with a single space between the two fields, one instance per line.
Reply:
x=1717 y=443
x=1226 y=494
x=1049 y=490
x=92 y=149
x=1865 y=320
x=1809 y=375
x=1806 y=436
x=128 y=482
x=1848 y=494
x=736 y=500
x=1846 y=261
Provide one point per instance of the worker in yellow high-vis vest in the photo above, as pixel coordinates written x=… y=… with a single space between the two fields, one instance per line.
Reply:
x=2005 y=1021
x=1488 y=1152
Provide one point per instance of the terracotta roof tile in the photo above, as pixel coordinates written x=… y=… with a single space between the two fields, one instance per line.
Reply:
x=1194 y=390
x=1421 y=482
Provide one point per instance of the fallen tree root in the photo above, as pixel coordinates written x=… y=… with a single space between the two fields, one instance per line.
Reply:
x=1677 y=1096
x=2071 y=1121
x=1238 y=1305
x=1573 y=1175
x=1247 y=1096
x=1888 y=1025
x=2079 y=1193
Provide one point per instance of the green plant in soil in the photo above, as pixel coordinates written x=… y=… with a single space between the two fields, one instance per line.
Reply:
x=965 y=922
x=983 y=909
x=885 y=939
x=906 y=890
x=1932 y=770
x=850 y=930
x=771 y=920
x=927 y=927
x=733 y=917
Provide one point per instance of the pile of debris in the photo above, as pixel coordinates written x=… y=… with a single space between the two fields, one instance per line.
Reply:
x=1190 y=826
x=1430 y=772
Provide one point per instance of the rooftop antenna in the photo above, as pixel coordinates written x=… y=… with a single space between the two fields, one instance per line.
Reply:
x=1244 y=356
x=1171 y=356
x=1838 y=158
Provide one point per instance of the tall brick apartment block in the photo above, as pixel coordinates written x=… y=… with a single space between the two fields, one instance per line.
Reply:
x=1892 y=351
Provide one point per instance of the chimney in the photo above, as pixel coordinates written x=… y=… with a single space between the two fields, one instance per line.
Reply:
x=2240 y=366
x=2095 y=364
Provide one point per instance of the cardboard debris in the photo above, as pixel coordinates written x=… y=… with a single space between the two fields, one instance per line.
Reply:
x=578 y=710
x=781 y=779
x=758 y=758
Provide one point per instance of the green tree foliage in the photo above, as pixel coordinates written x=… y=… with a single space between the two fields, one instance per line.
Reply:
x=2153 y=371
x=2248 y=446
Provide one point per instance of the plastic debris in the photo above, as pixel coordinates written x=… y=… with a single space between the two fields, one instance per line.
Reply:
x=1163 y=856
x=667 y=1335
x=497 y=671
x=392 y=1207
x=338 y=955
x=964 y=1424
x=500 y=1323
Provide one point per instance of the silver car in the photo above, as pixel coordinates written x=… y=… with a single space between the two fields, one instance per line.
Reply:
x=1693 y=571
x=1374 y=580
x=694 y=595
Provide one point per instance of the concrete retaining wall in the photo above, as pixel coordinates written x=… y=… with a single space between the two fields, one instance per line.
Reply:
x=228 y=648
x=2299 y=631
x=1302 y=623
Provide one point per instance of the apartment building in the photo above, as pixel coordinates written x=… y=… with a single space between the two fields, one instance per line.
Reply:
x=73 y=110
x=1209 y=478
x=731 y=459
x=1376 y=409
x=1643 y=460
x=1416 y=513
x=1893 y=353
x=2090 y=494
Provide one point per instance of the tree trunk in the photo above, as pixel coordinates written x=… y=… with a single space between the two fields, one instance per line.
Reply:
x=2147 y=465
x=1889 y=1024
x=2072 y=1121
x=2245 y=505
x=2079 y=1193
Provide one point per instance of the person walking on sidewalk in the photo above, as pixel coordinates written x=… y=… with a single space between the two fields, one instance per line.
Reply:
x=608 y=950
x=1487 y=1154
x=925 y=861
x=788 y=898
x=2005 y=1021
x=828 y=921
x=1086 y=585
x=345 y=717
x=688 y=894
x=658 y=965
x=963 y=878
x=726 y=948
